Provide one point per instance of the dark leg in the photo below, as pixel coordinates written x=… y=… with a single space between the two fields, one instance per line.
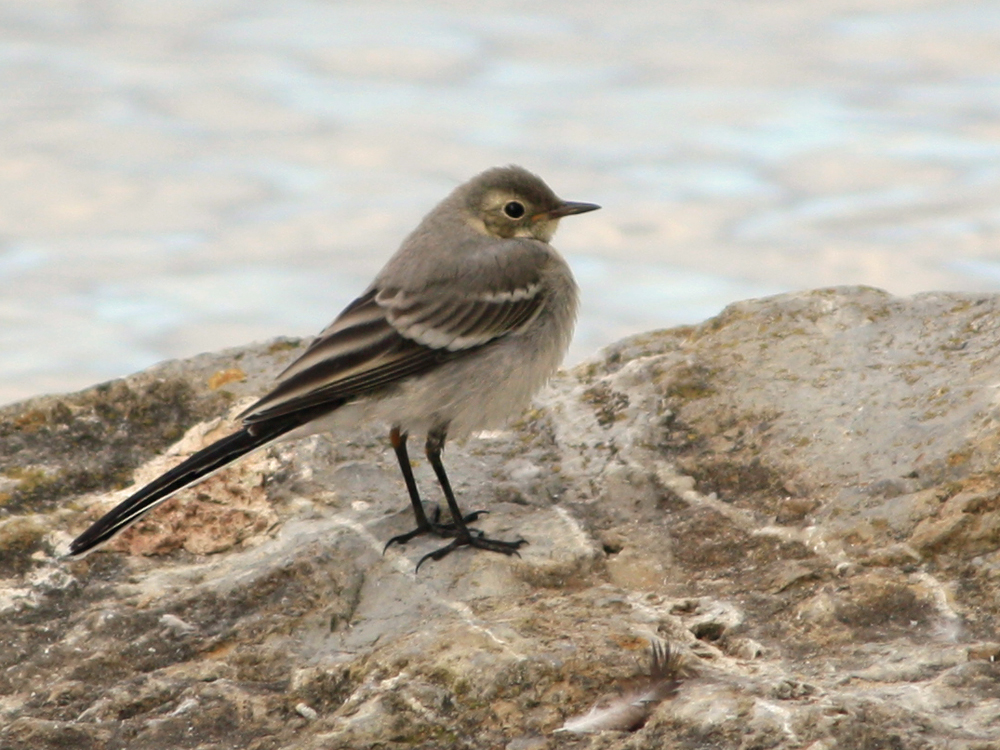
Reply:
x=398 y=441
x=424 y=525
x=462 y=533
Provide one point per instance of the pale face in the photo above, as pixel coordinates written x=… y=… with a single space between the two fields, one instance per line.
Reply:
x=506 y=214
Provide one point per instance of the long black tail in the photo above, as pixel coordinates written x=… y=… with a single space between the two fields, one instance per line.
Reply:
x=199 y=466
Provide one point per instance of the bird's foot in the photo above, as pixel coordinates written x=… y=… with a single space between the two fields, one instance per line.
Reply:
x=478 y=541
x=435 y=527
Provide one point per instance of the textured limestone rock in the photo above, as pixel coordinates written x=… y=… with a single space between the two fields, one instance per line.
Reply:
x=800 y=495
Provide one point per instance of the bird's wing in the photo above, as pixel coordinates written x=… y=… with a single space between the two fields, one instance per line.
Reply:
x=391 y=333
x=452 y=321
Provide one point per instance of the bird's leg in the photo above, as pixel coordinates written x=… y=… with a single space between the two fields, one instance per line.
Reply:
x=424 y=525
x=398 y=440
x=463 y=535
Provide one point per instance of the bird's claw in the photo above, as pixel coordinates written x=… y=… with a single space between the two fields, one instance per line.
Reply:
x=479 y=542
x=435 y=527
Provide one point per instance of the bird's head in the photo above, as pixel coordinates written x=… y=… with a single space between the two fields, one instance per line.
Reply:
x=507 y=202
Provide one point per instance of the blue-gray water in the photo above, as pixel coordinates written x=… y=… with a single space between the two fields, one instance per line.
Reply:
x=177 y=177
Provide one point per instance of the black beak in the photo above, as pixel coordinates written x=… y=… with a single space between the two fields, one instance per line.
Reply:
x=568 y=208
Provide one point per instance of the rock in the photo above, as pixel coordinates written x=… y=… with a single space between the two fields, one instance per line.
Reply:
x=800 y=495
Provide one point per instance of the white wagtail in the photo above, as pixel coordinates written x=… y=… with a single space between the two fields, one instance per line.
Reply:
x=468 y=319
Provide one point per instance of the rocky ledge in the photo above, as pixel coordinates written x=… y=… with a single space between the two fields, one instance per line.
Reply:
x=800 y=496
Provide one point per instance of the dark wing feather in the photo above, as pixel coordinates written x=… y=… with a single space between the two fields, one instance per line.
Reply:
x=359 y=353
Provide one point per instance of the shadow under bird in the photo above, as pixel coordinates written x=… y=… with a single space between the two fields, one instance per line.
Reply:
x=467 y=320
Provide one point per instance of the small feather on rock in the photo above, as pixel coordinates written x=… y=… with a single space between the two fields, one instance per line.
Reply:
x=630 y=708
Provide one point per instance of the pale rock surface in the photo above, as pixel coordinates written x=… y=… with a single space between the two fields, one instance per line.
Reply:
x=800 y=495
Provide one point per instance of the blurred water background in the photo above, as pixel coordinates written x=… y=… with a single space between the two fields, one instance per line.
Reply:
x=179 y=176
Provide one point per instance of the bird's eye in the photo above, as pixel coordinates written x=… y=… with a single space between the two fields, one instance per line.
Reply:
x=514 y=209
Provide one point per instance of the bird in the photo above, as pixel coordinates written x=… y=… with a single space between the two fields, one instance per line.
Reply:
x=462 y=326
